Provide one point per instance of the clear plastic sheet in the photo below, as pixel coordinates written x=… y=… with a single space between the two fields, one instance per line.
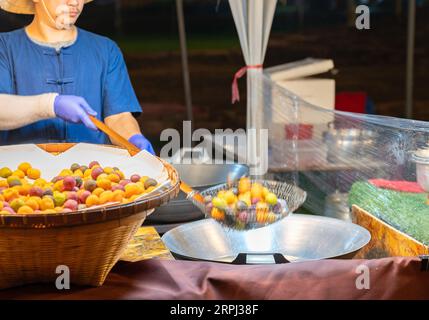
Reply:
x=342 y=159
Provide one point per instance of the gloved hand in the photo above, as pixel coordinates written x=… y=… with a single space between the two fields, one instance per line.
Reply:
x=142 y=143
x=74 y=109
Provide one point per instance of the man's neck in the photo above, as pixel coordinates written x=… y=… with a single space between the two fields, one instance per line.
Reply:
x=43 y=32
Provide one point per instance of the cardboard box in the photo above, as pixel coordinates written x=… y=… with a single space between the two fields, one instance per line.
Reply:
x=296 y=77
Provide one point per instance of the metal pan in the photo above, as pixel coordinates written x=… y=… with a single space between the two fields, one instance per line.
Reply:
x=295 y=238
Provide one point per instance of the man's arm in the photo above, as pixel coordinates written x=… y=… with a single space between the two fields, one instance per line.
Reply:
x=19 y=111
x=124 y=124
x=127 y=126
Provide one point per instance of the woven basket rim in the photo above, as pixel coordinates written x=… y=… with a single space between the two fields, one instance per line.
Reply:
x=100 y=214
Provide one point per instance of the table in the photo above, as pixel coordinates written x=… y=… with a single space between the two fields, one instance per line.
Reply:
x=178 y=280
x=163 y=278
x=146 y=244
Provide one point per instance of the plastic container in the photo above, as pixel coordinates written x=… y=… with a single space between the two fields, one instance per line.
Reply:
x=421 y=158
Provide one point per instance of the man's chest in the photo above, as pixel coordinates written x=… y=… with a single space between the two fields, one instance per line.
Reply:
x=63 y=72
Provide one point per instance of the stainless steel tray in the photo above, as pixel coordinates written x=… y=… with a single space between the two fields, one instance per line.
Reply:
x=297 y=237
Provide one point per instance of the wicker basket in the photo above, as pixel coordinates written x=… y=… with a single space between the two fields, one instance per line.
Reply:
x=89 y=243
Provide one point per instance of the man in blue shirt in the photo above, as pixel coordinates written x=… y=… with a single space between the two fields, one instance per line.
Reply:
x=53 y=74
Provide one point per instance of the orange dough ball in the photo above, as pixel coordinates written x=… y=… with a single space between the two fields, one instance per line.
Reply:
x=19 y=173
x=10 y=194
x=114 y=178
x=256 y=191
x=66 y=172
x=230 y=197
x=59 y=186
x=131 y=189
x=33 y=173
x=97 y=192
x=92 y=200
x=37 y=200
x=118 y=195
x=104 y=183
x=32 y=203
x=244 y=185
x=78 y=173
x=143 y=179
x=25 y=210
x=108 y=170
x=4 y=184
x=24 y=167
x=121 y=174
x=87 y=173
x=25 y=189
x=217 y=214
x=106 y=196
x=40 y=182
x=47 y=203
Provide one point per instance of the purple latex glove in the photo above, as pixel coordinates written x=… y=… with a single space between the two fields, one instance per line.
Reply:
x=142 y=143
x=74 y=109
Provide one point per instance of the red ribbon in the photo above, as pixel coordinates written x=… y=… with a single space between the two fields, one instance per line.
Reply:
x=238 y=75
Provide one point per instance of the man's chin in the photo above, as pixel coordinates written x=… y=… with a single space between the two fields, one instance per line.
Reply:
x=65 y=23
x=72 y=19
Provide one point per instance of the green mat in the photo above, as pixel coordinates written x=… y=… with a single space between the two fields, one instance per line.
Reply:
x=407 y=212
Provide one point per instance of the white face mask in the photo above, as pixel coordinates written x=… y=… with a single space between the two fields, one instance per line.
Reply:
x=62 y=21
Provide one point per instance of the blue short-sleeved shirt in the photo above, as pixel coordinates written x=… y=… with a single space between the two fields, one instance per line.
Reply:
x=92 y=67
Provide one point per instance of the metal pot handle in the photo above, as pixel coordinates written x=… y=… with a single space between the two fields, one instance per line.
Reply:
x=242 y=258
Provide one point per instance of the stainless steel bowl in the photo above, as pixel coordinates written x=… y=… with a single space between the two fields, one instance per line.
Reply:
x=200 y=177
x=337 y=206
x=295 y=238
x=344 y=144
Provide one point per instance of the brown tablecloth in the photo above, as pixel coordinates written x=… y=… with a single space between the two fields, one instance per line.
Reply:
x=389 y=278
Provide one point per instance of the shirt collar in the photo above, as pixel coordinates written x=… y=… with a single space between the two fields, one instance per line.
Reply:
x=50 y=49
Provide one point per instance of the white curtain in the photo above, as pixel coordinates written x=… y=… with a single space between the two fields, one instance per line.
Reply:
x=253 y=20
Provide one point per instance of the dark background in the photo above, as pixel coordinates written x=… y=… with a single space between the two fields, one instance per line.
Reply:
x=372 y=61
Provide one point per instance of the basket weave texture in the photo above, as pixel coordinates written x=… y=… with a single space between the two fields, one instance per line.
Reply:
x=89 y=243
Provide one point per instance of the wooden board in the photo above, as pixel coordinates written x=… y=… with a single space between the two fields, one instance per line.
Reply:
x=146 y=244
x=386 y=241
